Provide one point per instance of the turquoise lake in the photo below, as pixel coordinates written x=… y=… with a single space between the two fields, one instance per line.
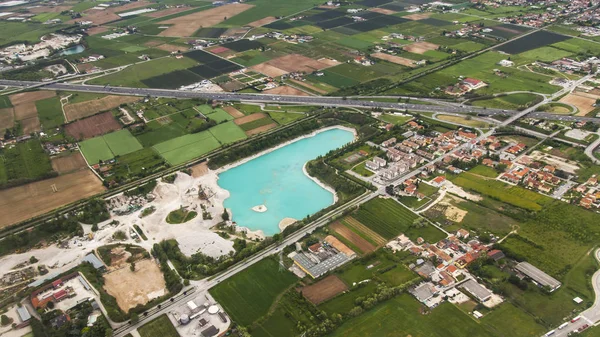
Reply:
x=277 y=181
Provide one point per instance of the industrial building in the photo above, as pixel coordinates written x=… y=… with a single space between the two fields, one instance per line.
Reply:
x=538 y=276
x=476 y=290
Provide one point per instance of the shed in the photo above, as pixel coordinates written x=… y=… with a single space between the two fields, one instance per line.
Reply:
x=23 y=313
x=94 y=260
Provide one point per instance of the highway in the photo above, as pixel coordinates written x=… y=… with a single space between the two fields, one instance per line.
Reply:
x=444 y=107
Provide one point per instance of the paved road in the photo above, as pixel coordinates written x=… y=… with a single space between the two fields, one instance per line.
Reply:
x=304 y=100
x=589 y=151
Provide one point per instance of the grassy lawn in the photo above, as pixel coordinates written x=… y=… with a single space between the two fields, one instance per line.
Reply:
x=95 y=150
x=400 y=317
x=160 y=327
x=508 y=320
x=343 y=303
x=219 y=115
x=485 y=171
x=122 y=142
x=50 y=112
x=248 y=296
x=464 y=121
x=395 y=119
x=362 y=170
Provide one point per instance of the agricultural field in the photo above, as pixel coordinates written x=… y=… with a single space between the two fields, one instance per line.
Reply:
x=159 y=327
x=248 y=296
x=508 y=102
x=50 y=113
x=466 y=121
x=395 y=119
x=389 y=218
x=181 y=149
x=92 y=126
x=110 y=145
x=24 y=162
x=532 y=41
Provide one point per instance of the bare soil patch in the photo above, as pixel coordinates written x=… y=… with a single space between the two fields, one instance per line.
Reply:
x=187 y=25
x=420 y=47
x=382 y=11
x=417 y=16
x=28 y=97
x=285 y=90
x=199 y=170
x=261 y=129
x=138 y=287
x=263 y=21
x=67 y=164
x=508 y=30
x=153 y=43
x=7 y=118
x=233 y=112
x=325 y=289
x=395 y=59
x=171 y=47
x=85 y=67
x=269 y=70
x=309 y=86
x=297 y=62
x=49 y=9
x=96 y=30
x=329 y=62
x=167 y=12
x=102 y=16
x=89 y=108
x=92 y=126
x=250 y=118
x=584 y=104
x=31 y=125
x=362 y=244
x=24 y=202
x=454 y=213
x=25 y=111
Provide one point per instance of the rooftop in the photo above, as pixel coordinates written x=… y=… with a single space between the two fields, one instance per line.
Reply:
x=538 y=275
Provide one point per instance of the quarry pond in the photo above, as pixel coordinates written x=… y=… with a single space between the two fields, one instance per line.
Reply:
x=272 y=188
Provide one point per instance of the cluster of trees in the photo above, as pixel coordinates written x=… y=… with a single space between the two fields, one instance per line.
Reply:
x=142 y=189
x=329 y=176
x=367 y=88
x=49 y=231
x=75 y=327
x=172 y=280
x=93 y=212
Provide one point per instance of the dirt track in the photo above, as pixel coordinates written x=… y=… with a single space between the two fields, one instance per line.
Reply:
x=138 y=287
x=24 y=202
x=187 y=25
x=325 y=289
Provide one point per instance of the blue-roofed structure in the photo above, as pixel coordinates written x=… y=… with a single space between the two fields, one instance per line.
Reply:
x=94 y=260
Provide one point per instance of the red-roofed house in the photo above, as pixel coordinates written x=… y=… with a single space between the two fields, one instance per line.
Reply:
x=473 y=83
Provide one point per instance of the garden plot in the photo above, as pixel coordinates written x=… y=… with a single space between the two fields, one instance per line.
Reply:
x=325 y=289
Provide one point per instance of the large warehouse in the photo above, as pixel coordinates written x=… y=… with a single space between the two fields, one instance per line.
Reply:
x=538 y=276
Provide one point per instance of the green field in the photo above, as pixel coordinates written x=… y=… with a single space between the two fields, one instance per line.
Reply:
x=227 y=133
x=50 y=112
x=256 y=124
x=122 y=142
x=160 y=327
x=400 y=317
x=388 y=218
x=136 y=164
x=508 y=320
x=485 y=171
x=133 y=75
x=263 y=8
x=248 y=296
x=181 y=149
x=219 y=115
x=5 y=102
x=508 y=102
x=95 y=150
x=23 y=162
x=110 y=145
x=513 y=195
x=395 y=119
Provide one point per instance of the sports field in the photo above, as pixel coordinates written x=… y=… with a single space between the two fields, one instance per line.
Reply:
x=181 y=149
x=248 y=296
x=108 y=146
